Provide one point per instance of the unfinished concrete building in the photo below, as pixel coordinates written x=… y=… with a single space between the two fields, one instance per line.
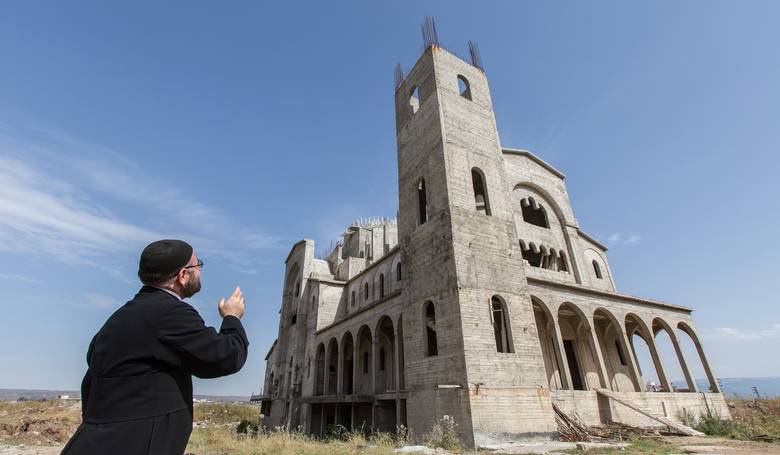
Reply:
x=485 y=300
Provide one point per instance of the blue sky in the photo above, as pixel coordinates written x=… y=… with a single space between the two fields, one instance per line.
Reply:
x=243 y=127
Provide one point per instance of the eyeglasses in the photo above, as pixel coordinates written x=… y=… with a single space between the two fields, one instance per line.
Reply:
x=198 y=265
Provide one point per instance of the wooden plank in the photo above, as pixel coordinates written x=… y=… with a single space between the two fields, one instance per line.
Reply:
x=684 y=429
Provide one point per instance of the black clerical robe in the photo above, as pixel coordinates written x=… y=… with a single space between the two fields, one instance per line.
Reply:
x=137 y=393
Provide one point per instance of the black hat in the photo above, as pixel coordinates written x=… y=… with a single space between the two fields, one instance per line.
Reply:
x=164 y=256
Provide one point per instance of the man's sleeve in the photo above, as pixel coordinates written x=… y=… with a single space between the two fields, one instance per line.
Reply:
x=204 y=352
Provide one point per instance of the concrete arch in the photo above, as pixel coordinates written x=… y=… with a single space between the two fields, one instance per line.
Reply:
x=319 y=370
x=582 y=355
x=332 y=367
x=363 y=362
x=384 y=345
x=546 y=197
x=635 y=325
x=658 y=326
x=347 y=364
x=688 y=330
x=556 y=373
x=622 y=373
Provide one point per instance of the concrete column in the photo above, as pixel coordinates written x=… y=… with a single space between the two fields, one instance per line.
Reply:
x=632 y=361
x=397 y=378
x=683 y=364
x=340 y=372
x=560 y=353
x=714 y=386
x=326 y=371
x=355 y=366
x=596 y=348
x=666 y=386
x=374 y=364
x=322 y=420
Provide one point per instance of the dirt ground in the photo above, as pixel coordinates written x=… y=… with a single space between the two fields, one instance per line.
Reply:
x=43 y=428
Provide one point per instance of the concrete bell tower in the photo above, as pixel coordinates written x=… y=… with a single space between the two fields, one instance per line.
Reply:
x=461 y=253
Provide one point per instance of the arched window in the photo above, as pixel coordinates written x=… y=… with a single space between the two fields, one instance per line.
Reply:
x=297 y=288
x=398 y=272
x=534 y=213
x=432 y=345
x=382 y=359
x=597 y=269
x=500 y=326
x=480 y=191
x=414 y=100
x=562 y=267
x=381 y=285
x=422 y=202
x=353 y=298
x=365 y=291
x=464 y=88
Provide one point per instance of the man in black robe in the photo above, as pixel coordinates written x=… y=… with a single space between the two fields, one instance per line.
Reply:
x=137 y=393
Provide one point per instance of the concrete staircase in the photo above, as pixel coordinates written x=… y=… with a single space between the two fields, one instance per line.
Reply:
x=684 y=429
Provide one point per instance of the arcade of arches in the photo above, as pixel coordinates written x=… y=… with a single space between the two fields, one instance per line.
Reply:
x=597 y=349
x=359 y=379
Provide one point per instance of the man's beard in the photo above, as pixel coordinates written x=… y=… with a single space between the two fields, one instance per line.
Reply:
x=191 y=287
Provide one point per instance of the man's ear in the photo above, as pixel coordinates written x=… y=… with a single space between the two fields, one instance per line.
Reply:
x=181 y=278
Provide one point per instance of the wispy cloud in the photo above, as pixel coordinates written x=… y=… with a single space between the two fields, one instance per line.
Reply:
x=741 y=334
x=19 y=278
x=618 y=238
x=96 y=301
x=55 y=194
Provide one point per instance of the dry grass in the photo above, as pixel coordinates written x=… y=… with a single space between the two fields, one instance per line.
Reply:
x=216 y=432
x=48 y=422
x=752 y=419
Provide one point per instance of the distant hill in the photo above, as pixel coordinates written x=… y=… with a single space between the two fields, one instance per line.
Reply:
x=35 y=394
x=742 y=387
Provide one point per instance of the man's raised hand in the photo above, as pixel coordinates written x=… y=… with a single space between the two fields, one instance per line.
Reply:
x=233 y=306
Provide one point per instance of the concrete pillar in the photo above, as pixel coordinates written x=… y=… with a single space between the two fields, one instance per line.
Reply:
x=326 y=371
x=632 y=361
x=340 y=372
x=374 y=364
x=596 y=348
x=355 y=366
x=322 y=420
x=397 y=378
x=560 y=353
x=714 y=386
x=683 y=364
x=666 y=386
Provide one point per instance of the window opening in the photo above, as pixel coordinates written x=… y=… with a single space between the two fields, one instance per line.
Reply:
x=381 y=285
x=534 y=213
x=382 y=359
x=422 y=203
x=365 y=363
x=353 y=298
x=365 y=291
x=432 y=346
x=414 y=100
x=464 y=88
x=562 y=267
x=597 y=270
x=480 y=193
x=500 y=331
